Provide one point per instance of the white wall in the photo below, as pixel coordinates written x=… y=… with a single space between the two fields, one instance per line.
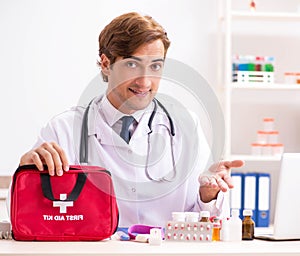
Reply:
x=48 y=51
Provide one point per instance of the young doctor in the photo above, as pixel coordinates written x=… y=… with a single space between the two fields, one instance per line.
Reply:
x=158 y=156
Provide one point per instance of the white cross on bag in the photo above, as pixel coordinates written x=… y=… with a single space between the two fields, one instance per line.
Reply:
x=62 y=205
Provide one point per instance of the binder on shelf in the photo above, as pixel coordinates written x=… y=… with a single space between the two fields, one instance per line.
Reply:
x=236 y=194
x=263 y=185
x=250 y=192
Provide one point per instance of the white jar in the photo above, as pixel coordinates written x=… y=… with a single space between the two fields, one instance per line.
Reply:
x=178 y=216
x=192 y=216
x=268 y=124
x=267 y=150
x=273 y=137
x=256 y=149
x=277 y=149
x=262 y=137
x=289 y=78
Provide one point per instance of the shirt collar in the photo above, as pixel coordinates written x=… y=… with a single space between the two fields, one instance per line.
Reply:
x=112 y=115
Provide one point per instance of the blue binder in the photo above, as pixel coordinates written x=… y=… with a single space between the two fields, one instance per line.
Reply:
x=236 y=194
x=250 y=193
x=263 y=200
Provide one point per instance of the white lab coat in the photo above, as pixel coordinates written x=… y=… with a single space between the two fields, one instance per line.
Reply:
x=140 y=200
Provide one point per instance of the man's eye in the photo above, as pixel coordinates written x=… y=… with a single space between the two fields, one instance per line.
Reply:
x=156 y=66
x=131 y=64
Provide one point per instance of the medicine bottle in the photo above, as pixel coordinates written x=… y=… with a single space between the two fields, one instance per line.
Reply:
x=248 y=225
x=178 y=216
x=216 y=230
x=204 y=216
x=235 y=226
x=225 y=230
x=191 y=216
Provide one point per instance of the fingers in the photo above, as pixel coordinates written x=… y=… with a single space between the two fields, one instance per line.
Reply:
x=50 y=154
x=32 y=157
x=233 y=164
x=215 y=182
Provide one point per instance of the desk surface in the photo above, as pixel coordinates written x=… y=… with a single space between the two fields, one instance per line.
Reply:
x=109 y=247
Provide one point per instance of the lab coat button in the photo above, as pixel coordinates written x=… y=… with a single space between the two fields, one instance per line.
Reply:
x=133 y=190
x=129 y=151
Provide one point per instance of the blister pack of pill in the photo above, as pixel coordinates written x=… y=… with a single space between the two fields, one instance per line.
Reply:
x=188 y=231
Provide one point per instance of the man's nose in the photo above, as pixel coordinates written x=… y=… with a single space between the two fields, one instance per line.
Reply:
x=143 y=81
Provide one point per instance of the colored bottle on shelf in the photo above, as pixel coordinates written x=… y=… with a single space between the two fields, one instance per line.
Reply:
x=248 y=225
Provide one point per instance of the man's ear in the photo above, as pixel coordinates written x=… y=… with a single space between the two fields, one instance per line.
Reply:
x=105 y=65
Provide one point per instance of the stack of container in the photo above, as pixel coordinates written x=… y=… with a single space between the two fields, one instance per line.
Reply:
x=267 y=143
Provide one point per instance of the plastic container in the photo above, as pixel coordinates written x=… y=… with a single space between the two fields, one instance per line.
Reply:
x=289 y=77
x=256 y=149
x=297 y=78
x=268 y=124
x=267 y=150
x=262 y=137
x=269 y=64
x=235 y=226
x=178 y=216
x=277 y=149
x=191 y=216
x=225 y=230
x=273 y=137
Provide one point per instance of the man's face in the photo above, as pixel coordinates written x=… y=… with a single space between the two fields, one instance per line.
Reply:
x=134 y=80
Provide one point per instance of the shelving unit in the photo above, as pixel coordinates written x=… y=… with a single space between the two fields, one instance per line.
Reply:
x=227 y=19
x=244 y=104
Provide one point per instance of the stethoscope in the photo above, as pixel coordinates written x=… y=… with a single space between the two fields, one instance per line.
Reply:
x=83 y=149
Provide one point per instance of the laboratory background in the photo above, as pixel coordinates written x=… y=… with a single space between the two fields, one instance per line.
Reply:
x=49 y=50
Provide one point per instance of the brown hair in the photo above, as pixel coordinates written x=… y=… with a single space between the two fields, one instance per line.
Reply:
x=124 y=34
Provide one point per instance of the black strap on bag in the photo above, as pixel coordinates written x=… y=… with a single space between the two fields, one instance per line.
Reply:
x=47 y=189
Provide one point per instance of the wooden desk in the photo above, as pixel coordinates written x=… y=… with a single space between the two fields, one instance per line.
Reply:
x=109 y=247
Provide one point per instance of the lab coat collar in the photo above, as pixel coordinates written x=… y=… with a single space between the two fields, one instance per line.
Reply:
x=100 y=126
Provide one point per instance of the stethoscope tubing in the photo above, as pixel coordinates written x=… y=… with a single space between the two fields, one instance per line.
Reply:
x=83 y=148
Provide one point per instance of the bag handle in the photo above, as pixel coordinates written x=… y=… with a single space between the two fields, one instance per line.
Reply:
x=47 y=189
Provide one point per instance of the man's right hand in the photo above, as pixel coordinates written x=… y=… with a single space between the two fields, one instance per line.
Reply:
x=50 y=154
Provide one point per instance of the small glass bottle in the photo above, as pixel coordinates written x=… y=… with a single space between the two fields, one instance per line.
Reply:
x=204 y=216
x=216 y=230
x=248 y=225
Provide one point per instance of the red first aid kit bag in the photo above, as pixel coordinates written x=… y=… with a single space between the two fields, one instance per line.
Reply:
x=77 y=206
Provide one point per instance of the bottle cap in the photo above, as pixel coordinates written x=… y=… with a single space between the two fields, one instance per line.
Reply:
x=204 y=214
x=235 y=212
x=247 y=212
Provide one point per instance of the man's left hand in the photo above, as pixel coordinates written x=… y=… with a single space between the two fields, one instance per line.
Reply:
x=217 y=178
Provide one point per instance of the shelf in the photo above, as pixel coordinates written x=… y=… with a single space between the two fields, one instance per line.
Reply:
x=256 y=158
x=280 y=16
x=265 y=86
